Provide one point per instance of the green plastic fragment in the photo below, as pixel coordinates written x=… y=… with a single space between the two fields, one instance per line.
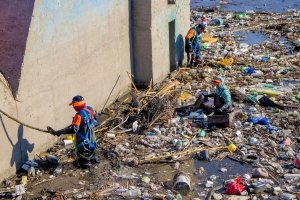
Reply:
x=178 y=197
x=240 y=15
x=298 y=97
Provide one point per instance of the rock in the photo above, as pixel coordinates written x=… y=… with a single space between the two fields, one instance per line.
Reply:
x=260 y=173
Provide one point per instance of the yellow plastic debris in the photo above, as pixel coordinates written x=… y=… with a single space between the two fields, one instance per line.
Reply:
x=225 y=62
x=43 y=155
x=229 y=43
x=69 y=137
x=24 y=180
x=206 y=38
x=231 y=148
x=271 y=93
x=184 y=96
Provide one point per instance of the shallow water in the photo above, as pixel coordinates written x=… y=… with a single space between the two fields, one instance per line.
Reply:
x=256 y=5
x=234 y=169
x=250 y=37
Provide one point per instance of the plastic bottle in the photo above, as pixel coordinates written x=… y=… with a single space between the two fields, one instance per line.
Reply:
x=201 y=133
x=203 y=120
x=179 y=145
x=238 y=124
x=133 y=193
x=134 y=126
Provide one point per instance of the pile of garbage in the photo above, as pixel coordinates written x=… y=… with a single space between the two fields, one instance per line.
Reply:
x=160 y=127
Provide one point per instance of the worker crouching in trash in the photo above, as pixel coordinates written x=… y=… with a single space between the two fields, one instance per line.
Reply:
x=83 y=125
x=222 y=98
x=220 y=112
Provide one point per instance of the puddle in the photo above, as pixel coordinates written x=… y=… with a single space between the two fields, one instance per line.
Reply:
x=164 y=173
x=287 y=44
x=234 y=169
x=250 y=37
x=288 y=83
x=256 y=5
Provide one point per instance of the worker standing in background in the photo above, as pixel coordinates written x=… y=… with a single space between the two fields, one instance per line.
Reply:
x=84 y=122
x=193 y=43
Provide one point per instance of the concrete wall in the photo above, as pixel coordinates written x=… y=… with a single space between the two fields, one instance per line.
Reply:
x=153 y=62
x=15 y=18
x=51 y=50
x=162 y=14
x=71 y=47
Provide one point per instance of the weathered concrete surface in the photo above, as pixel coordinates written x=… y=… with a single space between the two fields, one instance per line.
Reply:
x=162 y=14
x=151 y=40
x=73 y=47
x=15 y=18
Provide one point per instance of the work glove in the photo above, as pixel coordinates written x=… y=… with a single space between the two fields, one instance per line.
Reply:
x=52 y=131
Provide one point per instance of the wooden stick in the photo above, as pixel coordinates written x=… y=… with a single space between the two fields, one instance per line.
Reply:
x=19 y=122
x=178 y=155
x=132 y=83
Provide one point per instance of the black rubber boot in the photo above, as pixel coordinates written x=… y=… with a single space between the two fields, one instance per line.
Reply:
x=95 y=159
x=84 y=163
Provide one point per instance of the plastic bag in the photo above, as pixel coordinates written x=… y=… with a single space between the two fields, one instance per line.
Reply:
x=261 y=121
x=235 y=187
x=249 y=71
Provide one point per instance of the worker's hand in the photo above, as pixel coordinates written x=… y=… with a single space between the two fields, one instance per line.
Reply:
x=51 y=131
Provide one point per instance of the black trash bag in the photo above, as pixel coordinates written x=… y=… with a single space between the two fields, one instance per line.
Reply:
x=184 y=111
x=266 y=102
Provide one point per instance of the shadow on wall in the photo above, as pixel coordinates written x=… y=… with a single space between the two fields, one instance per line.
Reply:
x=179 y=50
x=20 y=150
x=15 y=18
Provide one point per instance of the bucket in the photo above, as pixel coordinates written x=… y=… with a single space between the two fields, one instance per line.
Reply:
x=182 y=182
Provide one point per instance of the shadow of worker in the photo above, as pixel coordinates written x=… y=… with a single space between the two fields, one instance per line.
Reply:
x=20 y=150
x=179 y=50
